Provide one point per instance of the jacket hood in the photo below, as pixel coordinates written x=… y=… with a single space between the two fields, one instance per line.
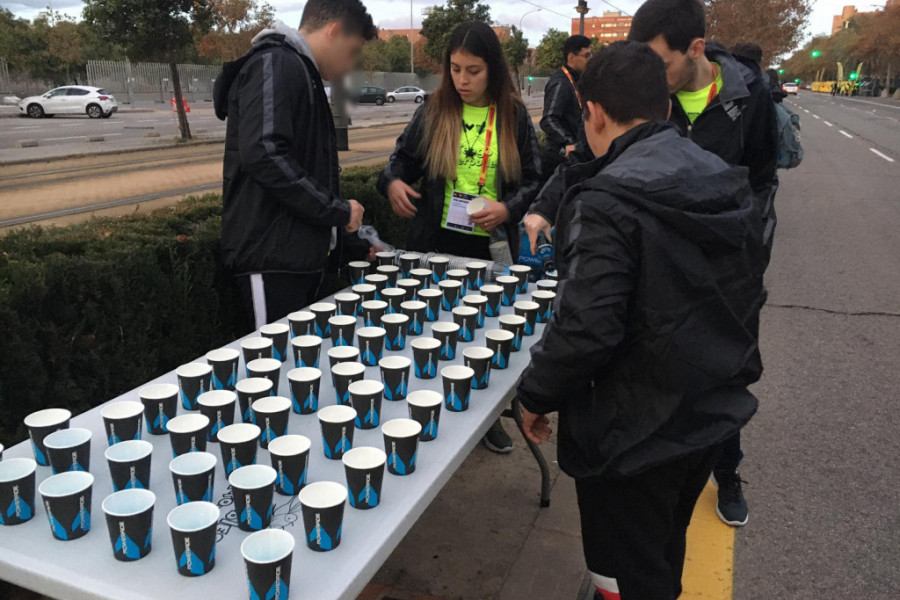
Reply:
x=736 y=76
x=280 y=31
x=693 y=191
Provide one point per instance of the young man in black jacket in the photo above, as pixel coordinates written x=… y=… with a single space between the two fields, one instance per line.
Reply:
x=283 y=210
x=652 y=343
x=562 y=105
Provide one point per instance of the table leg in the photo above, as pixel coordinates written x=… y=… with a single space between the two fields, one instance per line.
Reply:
x=516 y=413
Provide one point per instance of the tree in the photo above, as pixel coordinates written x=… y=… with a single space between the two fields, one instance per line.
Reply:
x=515 y=49
x=776 y=25
x=550 y=50
x=62 y=48
x=231 y=26
x=442 y=20
x=374 y=58
x=397 y=54
x=152 y=30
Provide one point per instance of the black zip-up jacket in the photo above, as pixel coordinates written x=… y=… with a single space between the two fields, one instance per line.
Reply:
x=281 y=187
x=653 y=340
x=562 y=121
x=408 y=164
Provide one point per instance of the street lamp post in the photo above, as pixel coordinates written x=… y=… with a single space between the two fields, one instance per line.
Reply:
x=529 y=59
x=412 y=46
x=582 y=9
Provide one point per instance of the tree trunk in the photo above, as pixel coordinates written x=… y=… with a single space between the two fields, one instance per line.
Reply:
x=518 y=79
x=183 y=125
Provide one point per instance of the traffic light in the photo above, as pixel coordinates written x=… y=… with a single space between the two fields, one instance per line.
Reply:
x=815 y=54
x=530 y=78
x=796 y=81
x=781 y=71
x=853 y=76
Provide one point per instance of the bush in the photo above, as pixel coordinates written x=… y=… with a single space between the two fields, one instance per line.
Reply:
x=92 y=310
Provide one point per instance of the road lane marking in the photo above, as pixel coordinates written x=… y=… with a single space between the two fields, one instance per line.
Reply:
x=74 y=137
x=805 y=110
x=28 y=127
x=827 y=123
x=815 y=116
x=845 y=133
x=72 y=125
x=884 y=156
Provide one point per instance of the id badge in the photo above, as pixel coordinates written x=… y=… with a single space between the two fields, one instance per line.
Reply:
x=457 y=213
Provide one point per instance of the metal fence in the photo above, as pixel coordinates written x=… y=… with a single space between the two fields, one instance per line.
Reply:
x=151 y=81
x=5 y=87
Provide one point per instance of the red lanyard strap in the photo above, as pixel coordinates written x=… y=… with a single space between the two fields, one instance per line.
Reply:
x=714 y=89
x=486 y=157
x=574 y=87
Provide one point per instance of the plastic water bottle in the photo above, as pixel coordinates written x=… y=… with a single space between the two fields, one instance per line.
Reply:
x=545 y=253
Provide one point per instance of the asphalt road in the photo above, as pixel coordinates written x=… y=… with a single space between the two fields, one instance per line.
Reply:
x=824 y=480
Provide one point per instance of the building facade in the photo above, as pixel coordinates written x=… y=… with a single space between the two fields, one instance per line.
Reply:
x=613 y=26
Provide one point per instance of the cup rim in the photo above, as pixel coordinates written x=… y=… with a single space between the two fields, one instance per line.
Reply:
x=214 y=398
x=474 y=299
x=322 y=307
x=491 y=288
x=410 y=256
x=296 y=444
x=409 y=282
x=193 y=369
x=513 y=319
x=352 y=368
x=346 y=297
x=380 y=277
x=252 y=477
x=189 y=423
x=264 y=365
x=146 y=498
x=323 y=494
x=413 y=305
x=359 y=264
x=393 y=291
x=395 y=319
x=363 y=288
x=507 y=279
x=342 y=320
x=476 y=264
x=47 y=417
x=545 y=281
x=425 y=398
x=395 y=362
x=386 y=254
x=301 y=315
x=256 y=385
x=445 y=327
x=158 y=391
x=478 y=353
x=81 y=481
x=14 y=469
x=374 y=305
x=426 y=343
x=85 y=436
x=430 y=293
x=526 y=305
x=364 y=458
x=337 y=414
x=520 y=268
x=304 y=374
x=499 y=335
x=239 y=433
x=129 y=451
x=401 y=428
x=306 y=341
x=450 y=283
x=386 y=269
x=206 y=460
x=343 y=352
x=457 y=273
x=206 y=510
x=465 y=311
x=256 y=343
x=284 y=540
x=274 y=329
x=547 y=294
x=228 y=354
x=371 y=332
x=271 y=405
x=439 y=258
x=125 y=409
x=457 y=372
x=365 y=387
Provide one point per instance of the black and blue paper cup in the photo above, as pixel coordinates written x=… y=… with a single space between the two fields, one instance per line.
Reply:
x=423 y=275
x=271 y=415
x=123 y=421
x=477 y=274
x=267 y=561
x=457 y=382
x=500 y=341
x=160 y=402
x=238 y=445
x=415 y=310
x=343 y=328
x=269 y=368
x=394 y=297
x=460 y=275
x=307 y=350
x=218 y=406
x=523 y=272
x=544 y=300
x=322 y=504
x=338 y=425
x=425 y=409
x=255 y=348
x=224 y=363
x=467 y=319
x=515 y=324
x=129 y=465
x=439 y=266
x=548 y=285
x=408 y=262
x=249 y=391
x=323 y=311
x=479 y=303
x=433 y=300
x=129 y=519
x=16 y=490
x=380 y=282
x=193 y=529
x=347 y=304
x=401 y=445
x=529 y=310
x=392 y=272
x=411 y=286
x=358 y=271
x=253 y=488
x=494 y=295
x=67 y=500
x=510 y=287
x=372 y=311
x=343 y=375
x=371 y=345
x=302 y=322
x=395 y=328
x=452 y=294
x=479 y=359
x=366 y=292
x=385 y=257
x=395 y=376
x=364 y=468
x=42 y=423
x=188 y=433
x=290 y=459
x=305 y=384
x=365 y=398
x=193 y=379
x=194 y=477
x=279 y=333
x=426 y=354
x=447 y=334
x=342 y=354
x=69 y=450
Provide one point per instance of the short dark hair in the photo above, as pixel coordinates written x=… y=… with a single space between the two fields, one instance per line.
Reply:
x=628 y=80
x=574 y=45
x=679 y=22
x=748 y=50
x=351 y=13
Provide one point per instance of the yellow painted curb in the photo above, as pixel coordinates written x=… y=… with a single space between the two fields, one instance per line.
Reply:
x=709 y=562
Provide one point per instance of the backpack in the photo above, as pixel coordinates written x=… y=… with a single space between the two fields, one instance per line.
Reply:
x=790 y=152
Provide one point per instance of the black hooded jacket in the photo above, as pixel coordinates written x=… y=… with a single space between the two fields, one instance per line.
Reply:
x=562 y=121
x=653 y=340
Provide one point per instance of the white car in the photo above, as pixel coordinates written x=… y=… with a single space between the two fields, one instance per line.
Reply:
x=413 y=94
x=70 y=100
x=789 y=88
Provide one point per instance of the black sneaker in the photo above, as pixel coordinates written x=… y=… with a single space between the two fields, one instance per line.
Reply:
x=731 y=507
x=497 y=440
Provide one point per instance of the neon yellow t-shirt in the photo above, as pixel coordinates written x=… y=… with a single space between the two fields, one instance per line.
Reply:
x=695 y=103
x=468 y=168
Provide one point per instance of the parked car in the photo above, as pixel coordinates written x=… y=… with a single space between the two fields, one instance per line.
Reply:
x=370 y=95
x=70 y=100
x=408 y=93
x=789 y=88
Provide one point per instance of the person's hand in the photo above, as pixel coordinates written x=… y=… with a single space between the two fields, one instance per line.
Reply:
x=356 y=216
x=492 y=216
x=569 y=149
x=535 y=224
x=373 y=253
x=536 y=427
x=399 y=194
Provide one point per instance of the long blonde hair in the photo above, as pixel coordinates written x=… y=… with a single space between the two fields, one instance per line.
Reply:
x=443 y=123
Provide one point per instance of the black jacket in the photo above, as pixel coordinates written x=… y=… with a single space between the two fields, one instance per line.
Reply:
x=563 y=119
x=408 y=164
x=652 y=344
x=281 y=189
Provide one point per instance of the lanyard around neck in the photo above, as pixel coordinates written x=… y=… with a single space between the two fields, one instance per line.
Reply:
x=485 y=158
x=574 y=87
x=714 y=88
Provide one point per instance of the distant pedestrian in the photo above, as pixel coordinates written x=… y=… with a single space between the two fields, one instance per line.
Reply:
x=562 y=120
x=751 y=54
x=282 y=203
x=652 y=344
x=834 y=88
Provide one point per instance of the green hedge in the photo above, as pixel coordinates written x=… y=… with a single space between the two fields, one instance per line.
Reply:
x=92 y=310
